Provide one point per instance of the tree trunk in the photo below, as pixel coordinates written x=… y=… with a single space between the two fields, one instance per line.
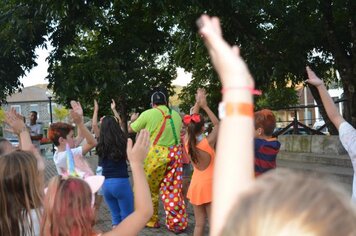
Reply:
x=344 y=59
x=349 y=86
x=332 y=129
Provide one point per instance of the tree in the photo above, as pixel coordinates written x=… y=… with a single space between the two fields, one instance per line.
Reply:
x=60 y=113
x=22 y=29
x=277 y=39
x=118 y=50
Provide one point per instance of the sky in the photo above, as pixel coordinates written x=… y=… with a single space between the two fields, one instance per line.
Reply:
x=38 y=74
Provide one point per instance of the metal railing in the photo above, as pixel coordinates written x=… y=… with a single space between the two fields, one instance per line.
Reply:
x=295 y=124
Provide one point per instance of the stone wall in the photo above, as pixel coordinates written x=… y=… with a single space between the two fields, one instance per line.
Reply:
x=321 y=144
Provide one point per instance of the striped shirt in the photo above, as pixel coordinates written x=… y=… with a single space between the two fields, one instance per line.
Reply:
x=265 y=154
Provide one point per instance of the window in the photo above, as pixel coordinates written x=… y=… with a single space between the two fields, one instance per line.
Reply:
x=17 y=108
x=309 y=118
x=34 y=107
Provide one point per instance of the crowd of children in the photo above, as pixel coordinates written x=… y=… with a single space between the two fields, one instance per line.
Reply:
x=229 y=186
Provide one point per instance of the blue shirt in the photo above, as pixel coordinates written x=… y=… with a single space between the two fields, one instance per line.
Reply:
x=114 y=168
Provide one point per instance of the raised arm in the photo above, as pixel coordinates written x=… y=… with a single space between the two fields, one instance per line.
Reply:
x=328 y=102
x=94 y=121
x=194 y=109
x=135 y=222
x=201 y=100
x=233 y=171
x=133 y=117
x=77 y=116
x=15 y=121
x=116 y=114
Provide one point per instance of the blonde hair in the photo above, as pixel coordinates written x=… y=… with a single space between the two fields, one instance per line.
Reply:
x=67 y=208
x=21 y=191
x=282 y=202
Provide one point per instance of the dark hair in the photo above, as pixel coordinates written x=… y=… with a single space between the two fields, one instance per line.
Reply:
x=158 y=98
x=59 y=130
x=265 y=119
x=193 y=129
x=34 y=112
x=112 y=140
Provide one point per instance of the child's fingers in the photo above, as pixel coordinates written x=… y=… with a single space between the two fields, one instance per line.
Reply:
x=215 y=22
x=145 y=138
x=73 y=104
x=129 y=145
x=139 y=139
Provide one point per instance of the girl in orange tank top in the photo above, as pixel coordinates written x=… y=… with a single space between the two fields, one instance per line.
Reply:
x=201 y=151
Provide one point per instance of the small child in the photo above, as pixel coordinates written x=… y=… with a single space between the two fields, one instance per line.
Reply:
x=116 y=189
x=202 y=153
x=61 y=134
x=21 y=183
x=266 y=147
x=68 y=202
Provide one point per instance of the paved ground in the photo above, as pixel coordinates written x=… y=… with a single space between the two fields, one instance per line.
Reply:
x=104 y=219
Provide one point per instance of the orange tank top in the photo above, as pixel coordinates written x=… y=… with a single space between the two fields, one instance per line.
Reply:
x=207 y=172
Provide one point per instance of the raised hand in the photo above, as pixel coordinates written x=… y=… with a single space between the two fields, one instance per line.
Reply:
x=134 y=117
x=113 y=104
x=15 y=121
x=76 y=107
x=138 y=152
x=201 y=97
x=312 y=78
x=76 y=112
x=227 y=61
x=96 y=106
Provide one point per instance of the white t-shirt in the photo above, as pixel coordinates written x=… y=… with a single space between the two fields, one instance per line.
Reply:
x=35 y=130
x=60 y=159
x=35 y=222
x=347 y=135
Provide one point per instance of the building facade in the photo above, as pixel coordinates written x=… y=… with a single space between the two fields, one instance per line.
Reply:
x=33 y=98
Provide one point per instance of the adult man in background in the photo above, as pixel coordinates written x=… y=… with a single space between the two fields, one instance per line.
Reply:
x=36 y=131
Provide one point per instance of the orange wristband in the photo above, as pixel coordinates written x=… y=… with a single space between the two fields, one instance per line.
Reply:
x=234 y=109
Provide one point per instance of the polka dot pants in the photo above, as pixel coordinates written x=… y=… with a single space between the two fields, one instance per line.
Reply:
x=164 y=168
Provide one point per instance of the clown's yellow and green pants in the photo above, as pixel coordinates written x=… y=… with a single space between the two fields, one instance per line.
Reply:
x=164 y=168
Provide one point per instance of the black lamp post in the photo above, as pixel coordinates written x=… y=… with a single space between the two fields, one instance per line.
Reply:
x=50 y=115
x=50 y=108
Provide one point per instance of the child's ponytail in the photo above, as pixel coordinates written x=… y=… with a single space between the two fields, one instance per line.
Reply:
x=194 y=128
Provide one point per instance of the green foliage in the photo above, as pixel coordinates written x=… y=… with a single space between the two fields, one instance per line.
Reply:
x=60 y=113
x=277 y=39
x=277 y=98
x=22 y=29
x=122 y=49
x=116 y=50
x=2 y=115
